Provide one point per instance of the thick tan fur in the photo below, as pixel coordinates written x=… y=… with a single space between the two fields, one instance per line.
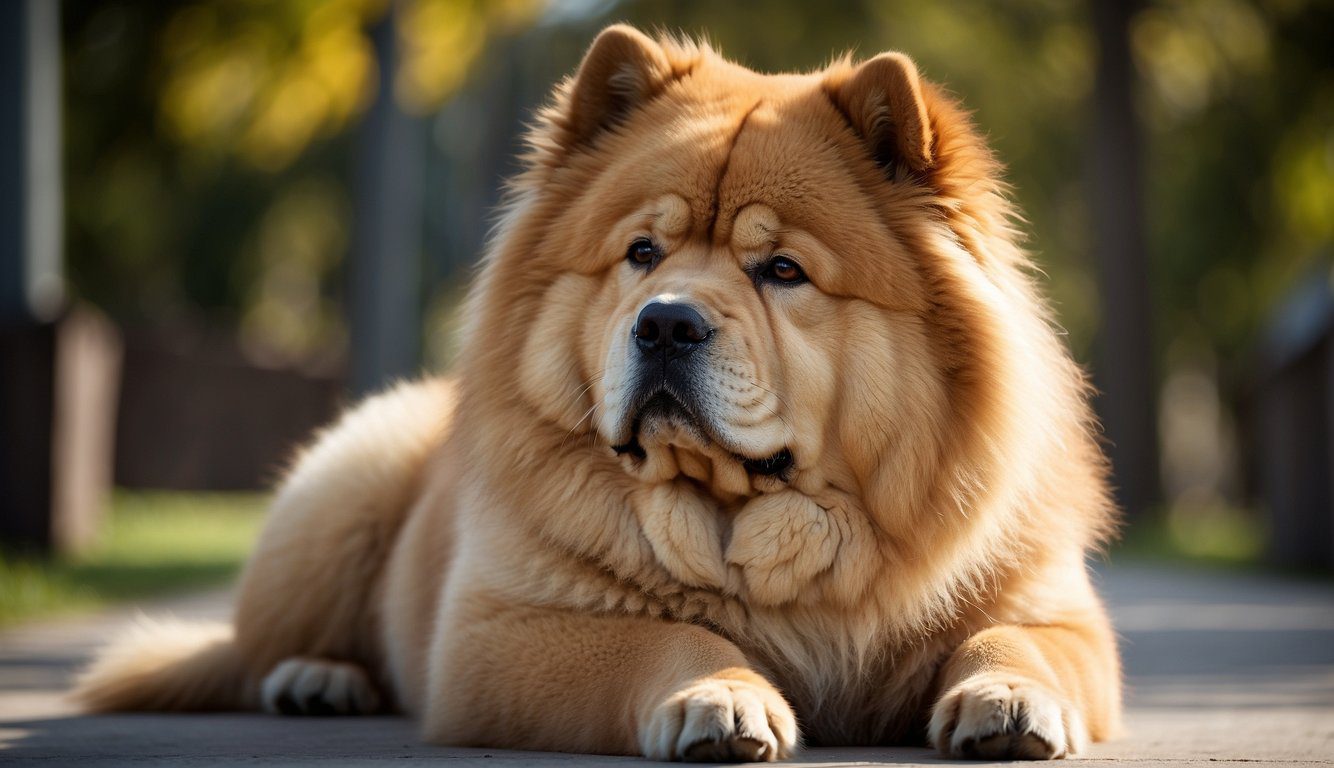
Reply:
x=476 y=554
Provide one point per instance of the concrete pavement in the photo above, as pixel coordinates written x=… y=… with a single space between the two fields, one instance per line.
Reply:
x=1221 y=669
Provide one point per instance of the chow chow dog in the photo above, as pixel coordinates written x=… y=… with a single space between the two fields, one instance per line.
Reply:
x=760 y=435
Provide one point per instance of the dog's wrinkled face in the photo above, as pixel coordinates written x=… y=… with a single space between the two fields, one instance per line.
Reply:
x=692 y=359
x=724 y=297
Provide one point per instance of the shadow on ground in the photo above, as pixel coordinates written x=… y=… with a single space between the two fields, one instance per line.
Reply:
x=1222 y=669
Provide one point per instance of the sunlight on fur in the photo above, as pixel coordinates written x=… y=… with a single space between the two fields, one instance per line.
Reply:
x=760 y=435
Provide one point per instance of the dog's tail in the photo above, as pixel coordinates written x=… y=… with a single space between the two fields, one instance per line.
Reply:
x=161 y=665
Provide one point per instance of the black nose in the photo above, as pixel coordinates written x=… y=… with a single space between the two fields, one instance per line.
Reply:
x=670 y=327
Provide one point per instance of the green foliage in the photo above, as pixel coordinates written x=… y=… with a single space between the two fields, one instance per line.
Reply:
x=208 y=152
x=154 y=543
x=1202 y=534
x=163 y=218
x=1239 y=107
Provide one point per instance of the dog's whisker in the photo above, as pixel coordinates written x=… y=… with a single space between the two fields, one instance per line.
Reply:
x=773 y=410
x=592 y=381
x=581 y=420
x=779 y=397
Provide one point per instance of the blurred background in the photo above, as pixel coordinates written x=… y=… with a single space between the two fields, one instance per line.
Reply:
x=221 y=220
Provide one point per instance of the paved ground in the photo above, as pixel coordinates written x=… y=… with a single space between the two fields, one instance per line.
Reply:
x=1222 y=669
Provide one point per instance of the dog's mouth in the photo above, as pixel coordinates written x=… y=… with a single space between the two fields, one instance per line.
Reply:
x=665 y=409
x=776 y=464
x=662 y=408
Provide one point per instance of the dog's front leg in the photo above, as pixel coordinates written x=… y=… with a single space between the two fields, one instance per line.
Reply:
x=553 y=680
x=1029 y=692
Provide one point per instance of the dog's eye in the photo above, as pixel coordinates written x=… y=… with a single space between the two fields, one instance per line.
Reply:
x=783 y=270
x=643 y=252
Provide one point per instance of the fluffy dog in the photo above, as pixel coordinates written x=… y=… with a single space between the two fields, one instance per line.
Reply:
x=760 y=434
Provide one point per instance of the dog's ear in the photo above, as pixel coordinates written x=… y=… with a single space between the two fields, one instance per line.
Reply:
x=882 y=98
x=622 y=70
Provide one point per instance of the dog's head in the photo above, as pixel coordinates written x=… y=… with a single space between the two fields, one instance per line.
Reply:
x=760 y=284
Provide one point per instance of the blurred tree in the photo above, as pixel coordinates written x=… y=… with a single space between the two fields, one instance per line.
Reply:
x=1240 y=109
x=209 y=152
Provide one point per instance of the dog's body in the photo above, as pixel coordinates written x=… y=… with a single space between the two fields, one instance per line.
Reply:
x=759 y=422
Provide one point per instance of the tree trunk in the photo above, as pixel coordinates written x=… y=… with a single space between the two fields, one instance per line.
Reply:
x=1124 y=371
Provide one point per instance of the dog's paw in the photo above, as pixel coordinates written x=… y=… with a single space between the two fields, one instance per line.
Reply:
x=720 y=720
x=999 y=717
x=302 y=686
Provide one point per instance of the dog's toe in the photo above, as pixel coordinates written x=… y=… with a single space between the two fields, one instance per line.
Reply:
x=1001 y=718
x=305 y=686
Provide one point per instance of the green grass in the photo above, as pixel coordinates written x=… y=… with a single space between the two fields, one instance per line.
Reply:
x=153 y=543
x=1207 y=535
